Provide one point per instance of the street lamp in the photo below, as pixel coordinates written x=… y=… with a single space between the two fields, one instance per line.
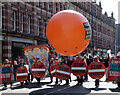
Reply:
x=92 y=25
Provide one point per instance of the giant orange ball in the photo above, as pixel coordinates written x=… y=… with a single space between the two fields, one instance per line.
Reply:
x=68 y=32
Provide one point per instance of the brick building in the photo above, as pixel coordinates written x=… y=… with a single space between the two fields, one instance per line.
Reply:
x=117 y=38
x=24 y=24
x=103 y=27
x=118 y=31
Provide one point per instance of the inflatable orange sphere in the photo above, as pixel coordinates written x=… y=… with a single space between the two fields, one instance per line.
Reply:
x=68 y=32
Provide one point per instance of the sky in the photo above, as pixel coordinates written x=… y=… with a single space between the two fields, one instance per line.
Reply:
x=110 y=6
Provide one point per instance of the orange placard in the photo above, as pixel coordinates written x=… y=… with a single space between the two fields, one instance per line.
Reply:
x=114 y=70
x=38 y=69
x=22 y=74
x=53 y=68
x=78 y=68
x=63 y=72
x=96 y=70
x=5 y=72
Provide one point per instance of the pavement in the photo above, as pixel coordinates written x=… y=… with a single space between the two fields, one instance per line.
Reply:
x=47 y=88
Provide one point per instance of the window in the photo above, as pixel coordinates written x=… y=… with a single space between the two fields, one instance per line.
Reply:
x=39 y=3
x=38 y=28
x=43 y=35
x=44 y=28
x=0 y=17
x=43 y=5
x=51 y=7
x=21 y=23
x=58 y=7
x=54 y=7
x=14 y=22
x=48 y=6
x=29 y=24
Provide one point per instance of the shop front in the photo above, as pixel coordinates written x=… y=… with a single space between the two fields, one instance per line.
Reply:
x=18 y=50
x=1 y=38
x=18 y=45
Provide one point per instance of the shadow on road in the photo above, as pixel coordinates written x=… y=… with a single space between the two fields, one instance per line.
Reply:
x=51 y=89
x=97 y=89
x=60 y=89
x=31 y=85
x=114 y=89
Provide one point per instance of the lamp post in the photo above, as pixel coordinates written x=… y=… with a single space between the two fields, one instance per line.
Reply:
x=92 y=27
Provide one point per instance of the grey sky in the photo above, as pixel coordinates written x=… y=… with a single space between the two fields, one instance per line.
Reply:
x=110 y=6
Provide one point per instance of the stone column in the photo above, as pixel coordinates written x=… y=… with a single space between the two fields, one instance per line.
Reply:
x=7 y=48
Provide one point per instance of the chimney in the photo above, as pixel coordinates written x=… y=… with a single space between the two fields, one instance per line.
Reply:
x=100 y=4
x=112 y=14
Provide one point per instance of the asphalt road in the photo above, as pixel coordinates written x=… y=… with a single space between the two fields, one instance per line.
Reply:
x=47 y=88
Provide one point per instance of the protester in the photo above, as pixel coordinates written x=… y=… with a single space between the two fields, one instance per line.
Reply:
x=68 y=62
x=57 y=60
x=51 y=61
x=102 y=59
x=22 y=64
x=106 y=63
x=38 y=79
x=79 y=78
x=90 y=59
x=30 y=76
x=86 y=60
x=15 y=69
x=97 y=80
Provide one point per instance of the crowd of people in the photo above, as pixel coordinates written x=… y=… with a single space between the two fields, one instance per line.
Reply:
x=63 y=59
x=86 y=59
